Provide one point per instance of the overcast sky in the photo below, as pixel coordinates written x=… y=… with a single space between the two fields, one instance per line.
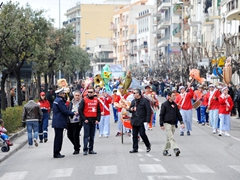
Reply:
x=53 y=7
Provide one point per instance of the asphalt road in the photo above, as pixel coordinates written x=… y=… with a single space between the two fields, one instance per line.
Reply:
x=204 y=156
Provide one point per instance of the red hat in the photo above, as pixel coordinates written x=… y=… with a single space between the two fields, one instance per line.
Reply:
x=42 y=93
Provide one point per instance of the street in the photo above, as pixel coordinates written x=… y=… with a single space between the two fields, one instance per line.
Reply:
x=203 y=156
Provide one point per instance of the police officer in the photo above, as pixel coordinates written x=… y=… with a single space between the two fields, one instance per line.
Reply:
x=90 y=114
x=59 y=122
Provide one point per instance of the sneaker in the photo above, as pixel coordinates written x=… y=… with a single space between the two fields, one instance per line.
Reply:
x=182 y=133
x=177 y=152
x=214 y=132
x=226 y=134
x=203 y=124
x=165 y=153
x=188 y=133
x=45 y=140
x=150 y=129
x=176 y=126
x=100 y=135
x=220 y=134
x=35 y=142
x=149 y=148
x=118 y=134
x=85 y=153
x=30 y=146
x=41 y=141
x=106 y=136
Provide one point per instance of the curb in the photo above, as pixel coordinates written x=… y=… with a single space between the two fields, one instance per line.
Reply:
x=20 y=133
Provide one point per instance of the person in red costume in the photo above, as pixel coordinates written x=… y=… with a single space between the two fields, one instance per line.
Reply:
x=184 y=102
x=225 y=107
x=213 y=106
x=43 y=126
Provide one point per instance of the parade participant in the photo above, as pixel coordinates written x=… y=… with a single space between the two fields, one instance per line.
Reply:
x=198 y=96
x=237 y=100
x=90 y=114
x=141 y=112
x=213 y=106
x=184 y=102
x=225 y=107
x=59 y=122
x=43 y=126
x=74 y=124
x=104 y=124
x=115 y=98
x=168 y=116
x=203 y=108
x=152 y=97
x=31 y=116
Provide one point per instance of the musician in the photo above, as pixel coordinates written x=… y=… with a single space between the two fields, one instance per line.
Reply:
x=225 y=107
x=203 y=108
x=185 y=106
x=104 y=124
x=213 y=106
x=198 y=97
x=153 y=103
x=115 y=98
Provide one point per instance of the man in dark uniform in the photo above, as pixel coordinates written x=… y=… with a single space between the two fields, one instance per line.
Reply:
x=90 y=114
x=141 y=112
x=59 y=122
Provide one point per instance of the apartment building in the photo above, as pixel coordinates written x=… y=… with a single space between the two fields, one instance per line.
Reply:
x=124 y=33
x=89 y=21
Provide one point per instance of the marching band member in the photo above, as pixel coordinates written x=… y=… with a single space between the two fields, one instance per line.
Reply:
x=104 y=124
x=185 y=105
x=198 y=94
x=115 y=98
x=213 y=106
x=225 y=107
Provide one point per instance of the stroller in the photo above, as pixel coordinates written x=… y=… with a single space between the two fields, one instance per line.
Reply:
x=3 y=144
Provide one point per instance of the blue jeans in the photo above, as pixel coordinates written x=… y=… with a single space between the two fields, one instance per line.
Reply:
x=213 y=116
x=199 y=114
x=154 y=119
x=115 y=113
x=104 y=125
x=203 y=114
x=32 y=126
x=43 y=126
x=89 y=133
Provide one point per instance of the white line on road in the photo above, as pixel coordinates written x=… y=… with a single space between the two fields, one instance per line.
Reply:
x=142 y=159
x=156 y=159
x=236 y=168
x=189 y=177
x=149 y=155
x=198 y=168
x=100 y=170
x=152 y=168
x=164 y=177
x=14 y=175
x=67 y=172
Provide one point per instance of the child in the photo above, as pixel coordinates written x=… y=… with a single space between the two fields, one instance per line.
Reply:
x=2 y=133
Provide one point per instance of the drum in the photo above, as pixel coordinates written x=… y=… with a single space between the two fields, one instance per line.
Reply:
x=125 y=118
x=197 y=104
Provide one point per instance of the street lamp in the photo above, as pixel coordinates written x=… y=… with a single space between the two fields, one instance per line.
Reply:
x=86 y=33
x=181 y=3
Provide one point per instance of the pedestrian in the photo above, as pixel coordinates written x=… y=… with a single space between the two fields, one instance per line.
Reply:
x=104 y=124
x=50 y=95
x=90 y=114
x=43 y=126
x=237 y=100
x=32 y=116
x=225 y=107
x=74 y=124
x=198 y=96
x=141 y=112
x=115 y=98
x=168 y=117
x=59 y=122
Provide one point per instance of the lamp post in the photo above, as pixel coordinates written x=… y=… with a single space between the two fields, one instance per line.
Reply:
x=86 y=33
x=59 y=72
x=181 y=41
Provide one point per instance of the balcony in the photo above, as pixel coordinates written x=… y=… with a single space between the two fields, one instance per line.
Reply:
x=176 y=20
x=112 y=27
x=112 y=56
x=125 y=53
x=212 y=13
x=164 y=23
x=157 y=14
x=177 y=9
x=113 y=41
x=177 y=31
x=133 y=37
x=164 y=5
x=144 y=46
x=163 y=42
x=124 y=24
x=208 y=22
x=233 y=10
x=124 y=39
x=186 y=2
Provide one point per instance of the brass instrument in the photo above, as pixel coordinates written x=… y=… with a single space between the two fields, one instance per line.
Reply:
x=98 y=80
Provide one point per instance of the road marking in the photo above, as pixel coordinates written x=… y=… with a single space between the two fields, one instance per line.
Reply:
x=236 y=168
x=140 y=155
x=67 y=172
x=152 y=168
x=100 y=170
x=149 y=155
x=142 y=159
x=164 y=177
x=14 y=175
x=189 y=177
x=198 y=168
x=156 y=159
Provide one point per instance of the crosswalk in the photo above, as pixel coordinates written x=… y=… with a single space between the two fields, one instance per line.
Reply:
x=154 y=171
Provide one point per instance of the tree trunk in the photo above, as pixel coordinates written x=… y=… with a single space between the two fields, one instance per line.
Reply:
x=19 y=94
x=3 y=94
x=38 y=83
x=46 y=83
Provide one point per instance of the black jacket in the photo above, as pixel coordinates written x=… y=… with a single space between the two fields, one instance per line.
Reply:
x=142 y=113
x=169 y=113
